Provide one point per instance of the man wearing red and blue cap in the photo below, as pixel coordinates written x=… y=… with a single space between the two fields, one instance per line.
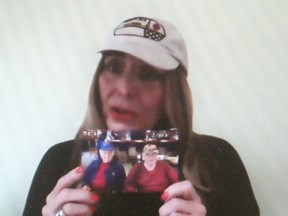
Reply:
x=105 y=173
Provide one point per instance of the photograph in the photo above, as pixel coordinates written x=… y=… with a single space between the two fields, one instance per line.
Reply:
x=129 y=161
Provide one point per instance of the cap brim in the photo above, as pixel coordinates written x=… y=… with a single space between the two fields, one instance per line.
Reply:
x=107 y=149
x=144 y=49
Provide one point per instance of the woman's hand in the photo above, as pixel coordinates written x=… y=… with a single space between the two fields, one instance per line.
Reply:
x=71 y=201
x=181 y=199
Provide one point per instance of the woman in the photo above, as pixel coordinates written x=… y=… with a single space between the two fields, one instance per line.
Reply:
x=106 y=173
x=140 y=83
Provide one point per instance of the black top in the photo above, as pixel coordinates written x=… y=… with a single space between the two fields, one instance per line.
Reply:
x=233 y=195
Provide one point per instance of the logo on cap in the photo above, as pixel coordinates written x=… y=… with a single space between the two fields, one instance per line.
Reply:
x=141 y=27
x=105 y=145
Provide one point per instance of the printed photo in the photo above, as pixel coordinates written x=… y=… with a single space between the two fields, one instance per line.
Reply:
x=129 y=161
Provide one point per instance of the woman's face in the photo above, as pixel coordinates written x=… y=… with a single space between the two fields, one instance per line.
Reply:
x=132 y=93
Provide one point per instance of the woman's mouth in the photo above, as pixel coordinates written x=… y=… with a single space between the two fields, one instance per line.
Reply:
x=122 y=114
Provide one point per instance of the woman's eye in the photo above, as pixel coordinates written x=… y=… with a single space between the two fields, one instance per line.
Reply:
x=112 y=67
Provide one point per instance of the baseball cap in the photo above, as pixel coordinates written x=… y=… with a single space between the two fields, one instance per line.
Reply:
x=157 y=42
x=149 y=148
x=105 y=145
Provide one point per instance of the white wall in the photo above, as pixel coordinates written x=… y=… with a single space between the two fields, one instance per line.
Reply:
x=238 y=73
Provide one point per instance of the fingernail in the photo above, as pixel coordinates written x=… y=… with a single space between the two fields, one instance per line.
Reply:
x=164 y=196
x=94 y=197
x=79 y=170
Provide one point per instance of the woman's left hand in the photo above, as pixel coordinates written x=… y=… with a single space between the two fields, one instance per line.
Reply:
x=181 y=199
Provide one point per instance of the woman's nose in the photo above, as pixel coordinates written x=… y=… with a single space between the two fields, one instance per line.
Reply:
x=127 y=86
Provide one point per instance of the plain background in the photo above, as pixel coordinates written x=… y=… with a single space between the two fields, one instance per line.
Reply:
x=238 y=74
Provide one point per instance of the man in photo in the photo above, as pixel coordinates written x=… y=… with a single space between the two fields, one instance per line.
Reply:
x=106 y=173
x=150 y=175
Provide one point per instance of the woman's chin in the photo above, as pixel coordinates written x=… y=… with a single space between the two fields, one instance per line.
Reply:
x=112 y=125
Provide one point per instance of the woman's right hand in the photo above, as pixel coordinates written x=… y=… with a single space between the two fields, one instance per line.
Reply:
x=72 y=201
